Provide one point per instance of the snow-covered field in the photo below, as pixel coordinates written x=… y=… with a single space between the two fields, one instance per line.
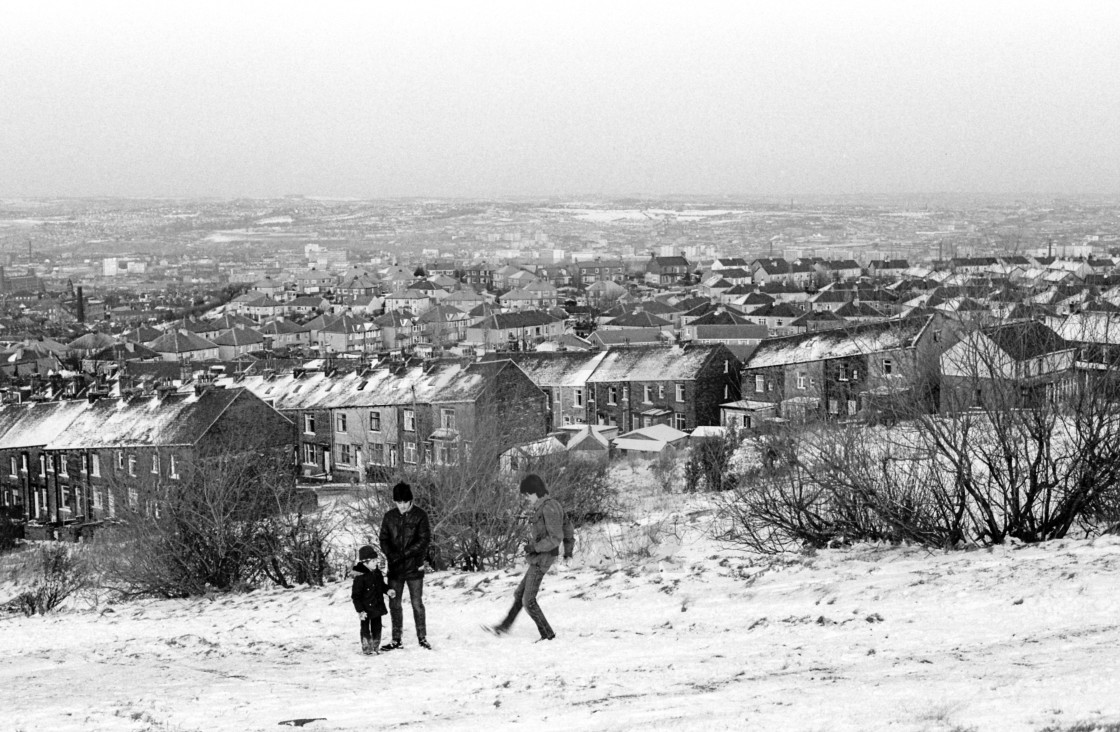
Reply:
x=693 y=636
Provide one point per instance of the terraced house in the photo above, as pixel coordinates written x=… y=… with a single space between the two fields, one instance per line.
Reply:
x=681 y=386
x=357 y=425
x=71 y=463
x=841 y=372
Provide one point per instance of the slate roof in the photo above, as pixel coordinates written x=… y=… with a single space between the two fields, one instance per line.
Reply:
x=818 y=316
x=1026 y=339
x=523 y=319
x=776 y=310
x=722 y=317
x=94 y=341
x=124 y=352
x=35 y=424
x=440 y=381
x=180 y=341
x=238 y=337
x=281 y=326
x=657 y=363
x=559 y=368
x=837 y=343
x=175 y=419
x=143 y=334
x=639 y=320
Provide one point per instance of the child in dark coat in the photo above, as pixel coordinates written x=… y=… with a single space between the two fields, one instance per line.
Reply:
x=367 y=594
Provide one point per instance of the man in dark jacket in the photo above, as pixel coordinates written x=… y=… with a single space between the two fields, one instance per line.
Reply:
x=405 y=536
x=367 y=594
x=546 y=526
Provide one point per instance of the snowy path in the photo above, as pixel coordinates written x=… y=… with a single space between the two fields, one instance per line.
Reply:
x=892 y=639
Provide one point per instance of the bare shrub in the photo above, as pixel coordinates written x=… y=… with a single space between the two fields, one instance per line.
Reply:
x=709 y=462
x=296 y=546
x=57 y=572
x=477 y=518
x=230 y=519
x=834 y=485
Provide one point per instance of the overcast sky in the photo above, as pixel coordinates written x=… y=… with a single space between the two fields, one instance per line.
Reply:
x=479 y=98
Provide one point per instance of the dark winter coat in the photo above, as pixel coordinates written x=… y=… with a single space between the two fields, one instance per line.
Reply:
x=404 y=542
x=547 y=527
x=368 y=592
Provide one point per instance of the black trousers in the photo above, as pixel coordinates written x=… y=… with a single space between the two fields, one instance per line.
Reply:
x=396 y=614
x=526 y=596
x=371 y=630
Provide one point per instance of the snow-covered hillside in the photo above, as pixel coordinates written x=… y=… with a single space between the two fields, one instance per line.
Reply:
x=696 y=636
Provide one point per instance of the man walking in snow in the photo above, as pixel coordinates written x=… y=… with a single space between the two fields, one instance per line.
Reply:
x=405 y=535
x=546 y=526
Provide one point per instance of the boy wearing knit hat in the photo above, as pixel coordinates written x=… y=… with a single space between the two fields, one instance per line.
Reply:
x=367 y=594
x=405 y=535
x=546 y=537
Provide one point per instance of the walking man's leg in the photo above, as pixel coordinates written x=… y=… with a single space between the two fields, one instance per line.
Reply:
x=533 y=580
x=514 y=609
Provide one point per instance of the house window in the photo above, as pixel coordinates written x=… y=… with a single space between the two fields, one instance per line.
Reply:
x=155 y=463
x=447 y=419
x=95 y=465
x=843 y=373
x=375 y=421
x=852 y=407
x=377 y=453
x=309 y=423
x=647 y=393
x=660 y=391
x=679 y=421
x=409 y=421
x=726 y=366
x=132 y=465
x=833 y=406
x=612 y=395
x=13 y=466
x=344 y=454
x=23 y=462
x=626 y=393
x=759 y=384
x=308 y=454
x=578 y=398
x=172 y=467
x=340 y=422
x=556 y=396
x=409 y=452
x=62 y=468
x=888 y=367
x=800 y=379
x=42 y=466
x=680 y=392
x=726 y=391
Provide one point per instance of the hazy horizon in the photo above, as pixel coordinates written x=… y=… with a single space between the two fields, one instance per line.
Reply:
x=433 y=100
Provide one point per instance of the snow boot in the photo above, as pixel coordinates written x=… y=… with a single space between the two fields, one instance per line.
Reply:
x=391 y=646
x=425 y=644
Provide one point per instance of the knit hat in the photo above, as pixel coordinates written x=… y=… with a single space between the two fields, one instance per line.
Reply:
x=532 y=483
x=366 y=552
x=402 y=492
